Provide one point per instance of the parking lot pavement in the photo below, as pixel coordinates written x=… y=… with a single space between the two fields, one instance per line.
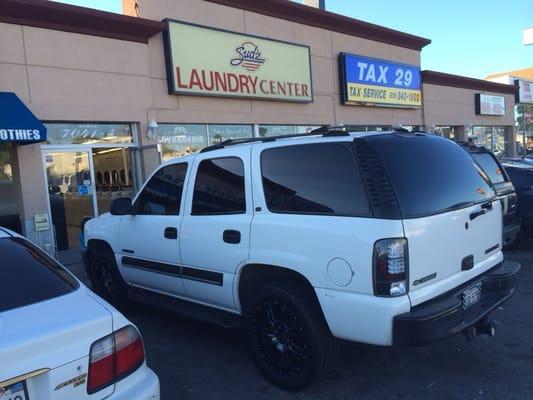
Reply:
x=200 y=361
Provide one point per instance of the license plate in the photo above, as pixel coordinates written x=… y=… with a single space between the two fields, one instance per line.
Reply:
x=17 y=391
x=471 y=295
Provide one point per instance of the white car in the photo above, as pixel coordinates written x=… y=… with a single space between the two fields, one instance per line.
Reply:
x=390 y=238
x=59 y=340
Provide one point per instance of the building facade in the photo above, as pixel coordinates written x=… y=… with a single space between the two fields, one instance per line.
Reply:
x=523 y=111
x=119 y=94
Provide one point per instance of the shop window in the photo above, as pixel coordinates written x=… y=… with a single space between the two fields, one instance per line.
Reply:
x=524 y=127
x=6 y=171
x=481 y=136
x=180 y=140
x=8 y=189
x=89 y=134
x=110 y=166
x=494 y=138
x=445 y=131
x=276 y=130
x=219 y=133
x=280 y=130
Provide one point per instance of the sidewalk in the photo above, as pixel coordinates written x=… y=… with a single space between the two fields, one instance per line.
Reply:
x=71 y=259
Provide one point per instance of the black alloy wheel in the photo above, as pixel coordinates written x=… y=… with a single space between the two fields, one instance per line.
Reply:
x=105 y=277
x=287 y=335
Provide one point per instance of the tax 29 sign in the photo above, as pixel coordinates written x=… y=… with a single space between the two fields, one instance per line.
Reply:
x=373 y=82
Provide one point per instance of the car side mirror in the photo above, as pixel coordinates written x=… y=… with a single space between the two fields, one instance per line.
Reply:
x=121 y=206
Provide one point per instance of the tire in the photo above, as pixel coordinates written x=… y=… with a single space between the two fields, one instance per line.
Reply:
x=287 y=335
x=518 y=241
x=105 y=277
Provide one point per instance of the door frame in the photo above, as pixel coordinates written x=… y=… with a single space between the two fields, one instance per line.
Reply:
x=69 y=149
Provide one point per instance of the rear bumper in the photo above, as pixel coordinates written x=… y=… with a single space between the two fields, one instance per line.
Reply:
x=141 y=385
x=444 y=316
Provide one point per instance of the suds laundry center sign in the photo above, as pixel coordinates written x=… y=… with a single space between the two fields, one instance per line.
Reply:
x=207 y=61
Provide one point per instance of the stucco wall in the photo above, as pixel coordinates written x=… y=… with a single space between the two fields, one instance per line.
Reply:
x=444 y=105
x=325 y=47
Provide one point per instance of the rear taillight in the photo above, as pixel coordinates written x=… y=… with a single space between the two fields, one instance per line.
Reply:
x=114 y=357
x=390 y=263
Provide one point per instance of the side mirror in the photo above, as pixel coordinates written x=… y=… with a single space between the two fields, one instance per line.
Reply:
x=121 y=206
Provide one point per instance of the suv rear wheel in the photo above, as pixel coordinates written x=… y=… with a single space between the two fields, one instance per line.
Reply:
x=287 y=335
x=105 y=277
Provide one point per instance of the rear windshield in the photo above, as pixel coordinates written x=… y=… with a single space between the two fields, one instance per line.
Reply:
x=430 y=174
x=29 y=276
x=488 y=164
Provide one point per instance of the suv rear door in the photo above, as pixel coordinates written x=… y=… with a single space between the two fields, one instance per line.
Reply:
x=215 y=230
x=451 y=219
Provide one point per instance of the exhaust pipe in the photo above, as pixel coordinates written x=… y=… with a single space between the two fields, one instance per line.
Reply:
x=483 y=327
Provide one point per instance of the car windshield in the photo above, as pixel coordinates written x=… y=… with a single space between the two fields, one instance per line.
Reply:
x=488 y=164
x=29 y=276
x=430 y=174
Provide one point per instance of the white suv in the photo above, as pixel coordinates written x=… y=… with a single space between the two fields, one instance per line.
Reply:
x=385 y=238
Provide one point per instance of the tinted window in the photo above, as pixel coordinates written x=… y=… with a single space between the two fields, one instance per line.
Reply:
x=522 y=178
x=429 y=174
x=29 y=276
x=488 y=164
x=313 y=179
x=219 y=187
x=162 y=194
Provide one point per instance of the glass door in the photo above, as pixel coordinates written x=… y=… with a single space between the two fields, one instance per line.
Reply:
x=70 y=183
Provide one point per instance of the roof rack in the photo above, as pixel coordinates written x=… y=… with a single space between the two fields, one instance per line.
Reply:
x=324 y=131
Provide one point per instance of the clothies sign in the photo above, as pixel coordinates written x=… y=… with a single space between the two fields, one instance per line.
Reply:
x=213 y=62
x=369 y=81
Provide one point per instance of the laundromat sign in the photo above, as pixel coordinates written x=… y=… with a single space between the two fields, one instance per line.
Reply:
x=373 y=82
x=213 y=62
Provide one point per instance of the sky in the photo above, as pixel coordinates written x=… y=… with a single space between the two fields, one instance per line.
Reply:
x=469 y=37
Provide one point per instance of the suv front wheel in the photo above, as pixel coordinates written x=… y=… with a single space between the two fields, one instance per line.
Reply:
x=105 y=277
x=287 y=335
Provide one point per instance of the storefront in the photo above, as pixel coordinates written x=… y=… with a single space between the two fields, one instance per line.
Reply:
x=18 y=127
x=86 y=166
x=118 y=95
x=523 y=110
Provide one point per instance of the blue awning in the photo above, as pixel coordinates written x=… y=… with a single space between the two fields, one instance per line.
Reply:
x=17 y=122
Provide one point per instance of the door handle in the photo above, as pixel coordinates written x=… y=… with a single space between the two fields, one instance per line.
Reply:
x=231 y=236
x=171 y=233
x=485 y=208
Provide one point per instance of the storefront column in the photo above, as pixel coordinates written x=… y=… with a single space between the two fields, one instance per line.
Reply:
x=510 y=147
x=149 y=156
x=34 y=195
x=460 y=133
